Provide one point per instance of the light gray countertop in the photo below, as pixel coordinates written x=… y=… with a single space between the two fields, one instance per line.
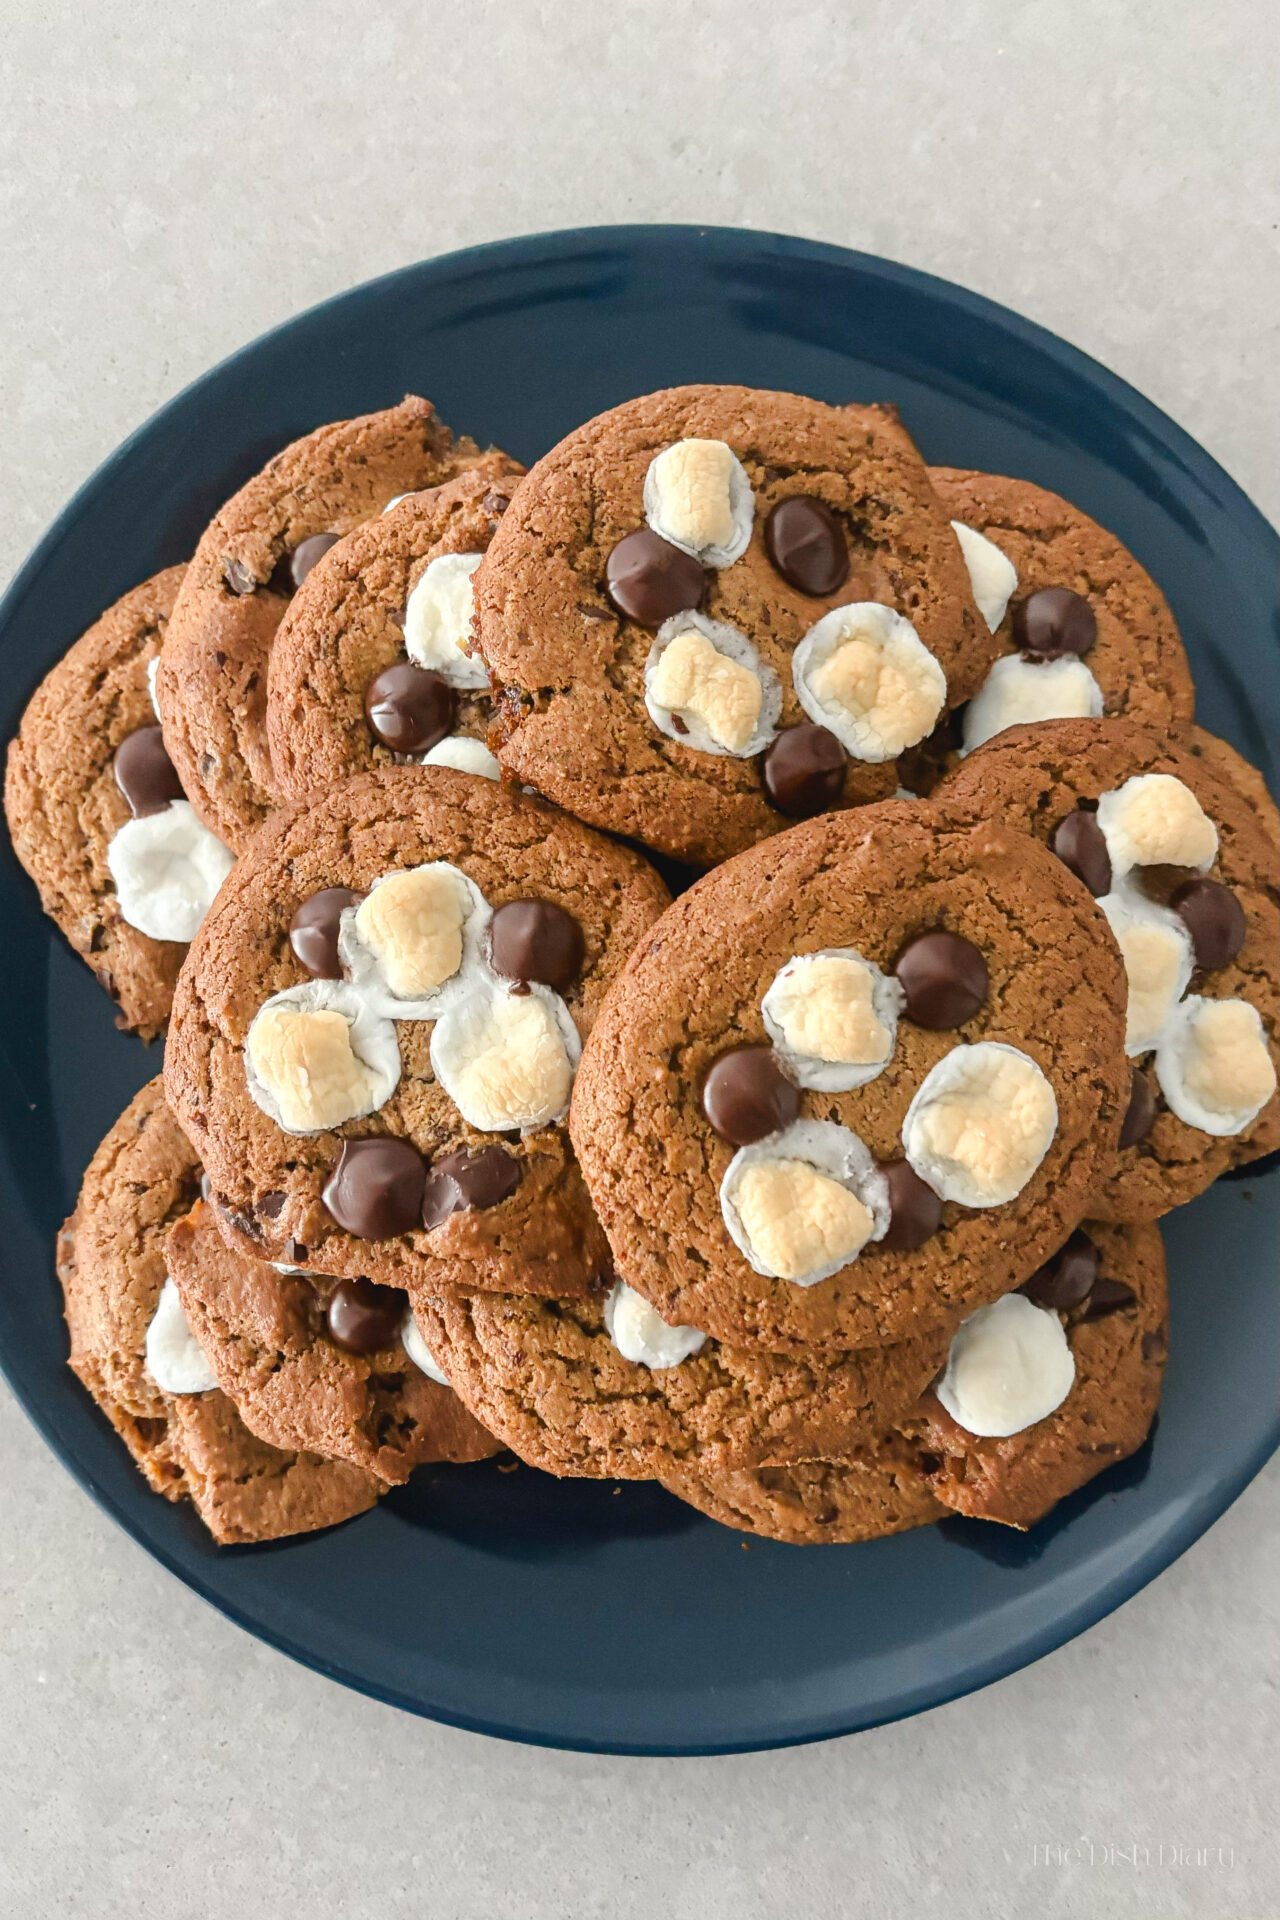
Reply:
x=176 y=178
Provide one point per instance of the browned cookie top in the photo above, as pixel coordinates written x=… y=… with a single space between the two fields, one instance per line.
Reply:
x=441 y=1200
x=65 y=801
x=111 y=1262
x=212 y=684
x=997 y=943
x=347 y=625
x=1048 y=779
x=1232 y=767
x=881 y=1492
x=568 y=616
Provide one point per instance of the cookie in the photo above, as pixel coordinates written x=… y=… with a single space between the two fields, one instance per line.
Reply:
x=374 y=1037
x=855 y=1082
x=820 y=1501
x=1199 y=925
x=318 y=1363
x=1232 y=768
x=658 y=611
x=186 y=1437
x=98 y=817
x=366 y=668
x=212 y=683
x=1089 y=1333
x=601 y=1388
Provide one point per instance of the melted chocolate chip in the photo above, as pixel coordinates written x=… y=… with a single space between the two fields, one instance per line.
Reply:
x=239 y=578
x=805 y=541
x=944 y=978
x=536 y=940
x=1213 y=917
x=409 y=708
x=306 y=553
x=1068 y=1278
x=313 y=931
x=803 y=771
x=915 y=1209
x=363 y=1317
x=1108 y=1296
x=463 y=1182
x=145 y=774
x=747 y=1096
x=375 y=1190
x=648 y=579
x=1081 y=846
x=1141 y=1110
x=1055 y=620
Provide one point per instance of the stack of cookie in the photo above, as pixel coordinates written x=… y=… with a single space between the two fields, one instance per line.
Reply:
x=823 y=1193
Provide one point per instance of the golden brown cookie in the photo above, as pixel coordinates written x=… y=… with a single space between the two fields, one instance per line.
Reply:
x=821 y=1501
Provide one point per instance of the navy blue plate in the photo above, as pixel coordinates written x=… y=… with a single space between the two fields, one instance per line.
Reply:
x=573 y=1613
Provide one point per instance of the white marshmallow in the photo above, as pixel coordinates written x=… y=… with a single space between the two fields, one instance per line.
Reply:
x=153 y=668
x=992 y=574
x=864 y=673
x=642 y=1336
x=1019 y=691
x=981 y=1122
x=437 y=620
x=802 y=1204
x=460 y=751
x=175 y=1358
x=506 y=1059
x=697 y=496
x=1158 y=963
x=1009 y=1366
x=414 y=1343
x=414 y=944
x=833 y=1018
x=1213 y=1065
x=710 y=678
x=305 y=1072
x=1155 y=820
x=167 y=868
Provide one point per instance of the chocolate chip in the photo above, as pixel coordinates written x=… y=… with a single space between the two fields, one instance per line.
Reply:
x=145 y=774
x=409 y=708
x=465 y=1182
x=1068 y=1278
x=375 y=1190
x=271 y=1205
x=1154 y=1344
x=648 y=579
x=296 y=1252
x=944 y=978
x=495 y=502
x=239 y=578
x=364 y=1317
x=803 y=770
x=1081 y=845
x=915 y=1210
x=805 y=541
x=306 y=553
x=1055 y=620
x=1108 y=1296
x=747 y=1096
x=313 y=931
x=1212 y=916
x=1141 y=1110
x=536 y=940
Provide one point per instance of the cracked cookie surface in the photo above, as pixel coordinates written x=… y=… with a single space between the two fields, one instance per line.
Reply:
x=879 y=1493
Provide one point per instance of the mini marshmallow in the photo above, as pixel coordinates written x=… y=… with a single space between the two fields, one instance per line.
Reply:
x=437 y=620
x=465 y=755
x=1010 y=1365
x=642 y=1336
x=167 y=868
x=317 y=1055
x=1158 y=963
x=1155 y=820
x=697 y=496
x=992 y=574
x=707 y=687
x=506 y=1059
x=175 y=1358
x=864 y=673
x=981 y=1122
x=833 y=1018
x=1018 y=691
x=1213 y=1065
x=413 y=944
x=802 y=1204
x=415 y=1346
x=153 y=668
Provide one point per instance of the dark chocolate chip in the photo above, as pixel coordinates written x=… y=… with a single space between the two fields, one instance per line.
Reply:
x=145 y=774
x=1068 y=1278
x=1108 y=1296
x=803 y=770
x=1055 y=620
x=271 y=1205
x=296 y=1252
x=806 y=543
x=915 y=1209
x=364 y=1317
x=944 y=978
x=648 y=579
x=495 y=502
x=536 y=940
x=1081 y=845
x=463 y=1182
x=1141 y=1110
x=409 y=708
x=746 y=1095
x=375 y=1190
x=306 y=553
x=313 y=931
x=1213 y=917
x=239 y=578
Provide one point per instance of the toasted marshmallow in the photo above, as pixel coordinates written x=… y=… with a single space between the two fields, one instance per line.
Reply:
x=413 y=944
x=707 y=687
x=465 y=755
x=506 y=1058
x=864 y=673
x=1155 y=820
x=992 y=574
x=317 y=1055
x=981 y=1122
x=803 y=1203
x=1009 y=1366
x=1214 y=1066
x=167 y=868
x=697 y=496
x=437 y=620
x=1158 y=963
x=175 y=1359
x=1018 y=691
x=833 y=1018
x=642 y=1336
